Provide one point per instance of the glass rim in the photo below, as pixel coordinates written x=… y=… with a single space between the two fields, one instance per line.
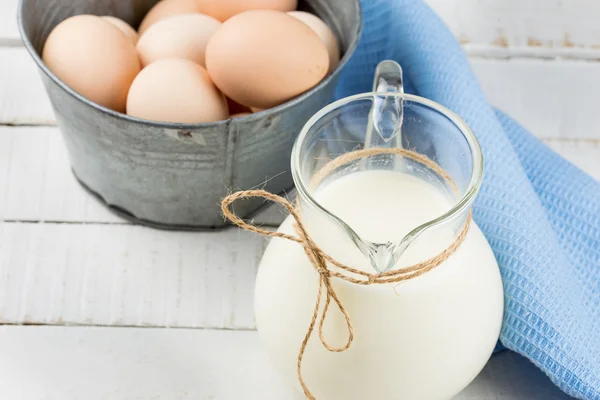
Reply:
x=468 y=196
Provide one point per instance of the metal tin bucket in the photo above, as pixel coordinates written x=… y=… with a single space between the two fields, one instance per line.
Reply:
x=167 y=175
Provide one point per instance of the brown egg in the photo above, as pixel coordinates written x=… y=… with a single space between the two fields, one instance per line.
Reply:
x=324 y=32
x=239 y=115
x=94 y=58
x=263 y=58
x=225 y=9
x=124 y=27
x=168 y=8
x=179 y=36
x=176 y=90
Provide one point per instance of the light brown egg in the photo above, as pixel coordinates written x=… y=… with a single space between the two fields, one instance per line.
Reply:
x=176 y=90
x=124 y=27
x=225 y=9
x=168 y=8
x=324 y=32
x=179 y=36
x=94 y=58
x=263 y=58
x=239 y=115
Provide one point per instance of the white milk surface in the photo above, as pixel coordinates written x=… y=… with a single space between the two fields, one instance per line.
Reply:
x=426 y=338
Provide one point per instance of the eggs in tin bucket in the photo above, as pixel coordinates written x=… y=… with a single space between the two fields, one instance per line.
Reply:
x=260 y=57
x=173 y=174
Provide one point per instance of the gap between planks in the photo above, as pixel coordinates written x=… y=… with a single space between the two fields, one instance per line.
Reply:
x=77 y=325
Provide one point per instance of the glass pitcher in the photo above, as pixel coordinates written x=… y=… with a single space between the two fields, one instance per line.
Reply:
x=423 y=338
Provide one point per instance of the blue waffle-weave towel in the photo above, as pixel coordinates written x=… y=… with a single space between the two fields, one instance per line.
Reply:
x=540 y=213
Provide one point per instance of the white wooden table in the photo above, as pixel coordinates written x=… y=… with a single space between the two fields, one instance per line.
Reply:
x=94 y=308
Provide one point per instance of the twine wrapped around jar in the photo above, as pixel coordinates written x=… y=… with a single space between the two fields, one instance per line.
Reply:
x=319 y=260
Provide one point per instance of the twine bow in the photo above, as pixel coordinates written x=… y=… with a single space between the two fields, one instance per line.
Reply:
x=320 y=260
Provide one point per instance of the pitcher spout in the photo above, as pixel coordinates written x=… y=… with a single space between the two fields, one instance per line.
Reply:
x=384 y=256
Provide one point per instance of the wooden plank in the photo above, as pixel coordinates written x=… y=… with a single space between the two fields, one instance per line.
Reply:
x=121 y=364
x=539 y=93
x=123 y=275
x=23 y=100
x=523 y=24
x=125 y=364
x=9 y=32
x=36 y=183
x=551 y=99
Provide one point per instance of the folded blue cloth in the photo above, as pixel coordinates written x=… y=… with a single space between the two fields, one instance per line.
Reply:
x=540 y=213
